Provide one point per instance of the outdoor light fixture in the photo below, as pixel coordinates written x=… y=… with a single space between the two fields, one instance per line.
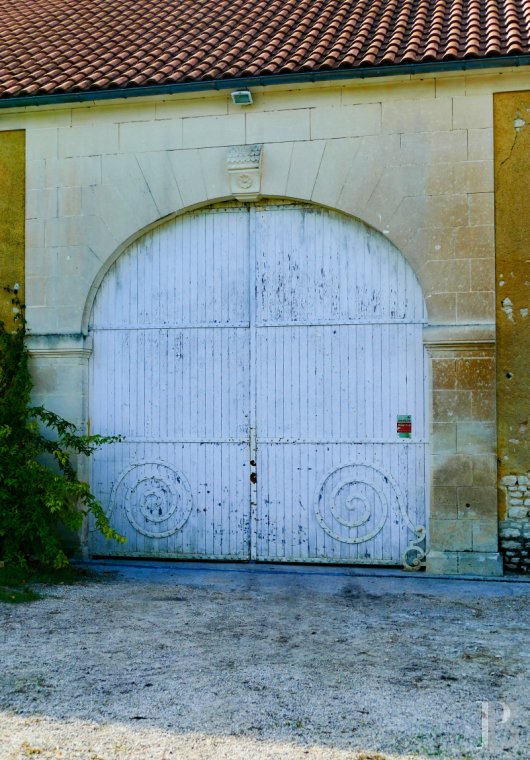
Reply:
x=242 y=97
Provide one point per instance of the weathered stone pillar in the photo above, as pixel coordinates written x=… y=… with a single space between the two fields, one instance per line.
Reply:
x=59 y=369
x=463 y=515
x=512 y=219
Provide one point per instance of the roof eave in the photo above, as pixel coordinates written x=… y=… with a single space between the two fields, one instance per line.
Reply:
x=269 y=80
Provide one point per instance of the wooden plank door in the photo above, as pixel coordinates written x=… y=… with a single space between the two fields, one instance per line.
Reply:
x=257 y=361
x=338 y=352
x=171 y=371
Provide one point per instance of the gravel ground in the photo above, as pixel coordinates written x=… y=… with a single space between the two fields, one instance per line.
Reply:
x=212 y=663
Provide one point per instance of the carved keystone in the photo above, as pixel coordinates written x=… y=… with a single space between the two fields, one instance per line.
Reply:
x=243 y=163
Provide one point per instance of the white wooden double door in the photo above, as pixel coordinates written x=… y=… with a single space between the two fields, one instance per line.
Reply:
x=256 y=360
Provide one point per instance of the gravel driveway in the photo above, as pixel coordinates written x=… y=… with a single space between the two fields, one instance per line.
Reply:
x=201 y=661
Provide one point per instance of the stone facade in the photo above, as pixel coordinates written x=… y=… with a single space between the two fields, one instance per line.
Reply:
x=411 y=156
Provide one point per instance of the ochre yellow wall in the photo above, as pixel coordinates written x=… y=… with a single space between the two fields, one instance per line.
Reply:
x=12 y=213
x=512 y=220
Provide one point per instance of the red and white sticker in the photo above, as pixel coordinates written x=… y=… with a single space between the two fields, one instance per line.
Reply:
x=404 y=425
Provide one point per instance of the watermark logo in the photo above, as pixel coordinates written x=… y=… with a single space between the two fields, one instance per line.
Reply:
x=498 y=730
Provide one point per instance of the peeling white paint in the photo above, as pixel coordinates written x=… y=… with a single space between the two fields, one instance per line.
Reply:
x=275 y=345
x=523 y=312
x=519 y=124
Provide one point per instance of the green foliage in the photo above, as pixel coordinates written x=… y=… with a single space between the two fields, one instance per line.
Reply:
x=16 y=582
x=18 y=595
x=39 y=488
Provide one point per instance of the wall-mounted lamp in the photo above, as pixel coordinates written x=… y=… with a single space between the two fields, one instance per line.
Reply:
x=242 y=98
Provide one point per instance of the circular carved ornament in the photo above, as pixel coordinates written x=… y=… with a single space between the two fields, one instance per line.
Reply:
x=156 y=498
x=352 y=502
x=244 y=181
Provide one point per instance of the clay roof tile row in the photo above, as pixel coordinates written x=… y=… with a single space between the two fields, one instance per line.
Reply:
x=52 y=46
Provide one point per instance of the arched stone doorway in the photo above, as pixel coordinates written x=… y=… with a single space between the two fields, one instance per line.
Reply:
x=258 y=359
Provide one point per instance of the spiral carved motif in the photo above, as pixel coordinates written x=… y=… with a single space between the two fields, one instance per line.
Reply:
x=353 y=502
x=156 y=497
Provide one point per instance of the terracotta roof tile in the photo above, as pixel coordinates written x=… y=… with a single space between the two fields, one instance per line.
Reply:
x=49 y=46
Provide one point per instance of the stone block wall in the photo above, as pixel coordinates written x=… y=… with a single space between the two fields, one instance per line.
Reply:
x=411 y=156
x=514 y=530
x=463 y=525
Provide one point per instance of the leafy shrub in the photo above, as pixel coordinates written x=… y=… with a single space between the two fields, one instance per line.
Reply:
x=39 y=487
